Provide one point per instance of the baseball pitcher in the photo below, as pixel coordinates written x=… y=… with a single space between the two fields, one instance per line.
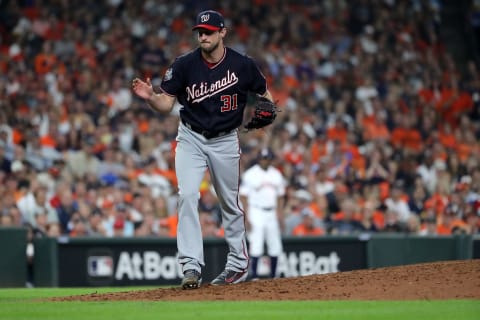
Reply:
x=211 y=83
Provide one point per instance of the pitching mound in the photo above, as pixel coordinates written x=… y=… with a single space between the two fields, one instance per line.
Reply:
x=427 y=281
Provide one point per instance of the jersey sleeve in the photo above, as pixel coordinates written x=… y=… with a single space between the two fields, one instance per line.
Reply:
x=258 y=80
x=282 y=185
x=172 y=82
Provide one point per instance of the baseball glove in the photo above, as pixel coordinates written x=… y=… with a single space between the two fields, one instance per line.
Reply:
x=264 y=114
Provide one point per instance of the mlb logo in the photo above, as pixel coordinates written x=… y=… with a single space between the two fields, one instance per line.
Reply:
x=100 y=266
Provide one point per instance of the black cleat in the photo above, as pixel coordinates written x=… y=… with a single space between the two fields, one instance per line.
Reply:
x=230 y=277
x=191 y=279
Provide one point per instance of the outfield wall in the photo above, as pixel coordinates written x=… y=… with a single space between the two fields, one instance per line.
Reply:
x=13 y=257
x=84 y=262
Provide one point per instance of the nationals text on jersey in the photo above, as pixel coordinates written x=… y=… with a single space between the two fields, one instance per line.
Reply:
x=198 y=93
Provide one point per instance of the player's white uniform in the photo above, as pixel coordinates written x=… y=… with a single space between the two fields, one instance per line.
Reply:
x=262 y=189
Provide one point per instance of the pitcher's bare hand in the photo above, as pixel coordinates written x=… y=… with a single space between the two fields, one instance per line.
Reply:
x=143 y=89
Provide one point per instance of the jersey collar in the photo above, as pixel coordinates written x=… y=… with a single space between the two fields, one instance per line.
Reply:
x=213 y=65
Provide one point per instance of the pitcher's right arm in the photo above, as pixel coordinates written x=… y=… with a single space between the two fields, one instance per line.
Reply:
x=157 y=101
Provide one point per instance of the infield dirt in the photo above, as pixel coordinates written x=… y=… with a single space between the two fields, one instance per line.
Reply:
x=458 y=279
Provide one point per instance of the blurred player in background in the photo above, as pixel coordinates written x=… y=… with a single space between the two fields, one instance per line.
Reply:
x=261 y=192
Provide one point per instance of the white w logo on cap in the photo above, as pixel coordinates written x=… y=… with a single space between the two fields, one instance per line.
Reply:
x=204 y=17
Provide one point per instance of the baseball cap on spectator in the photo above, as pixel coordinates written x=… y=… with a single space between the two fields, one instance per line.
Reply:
x=307 y=212
x=150 y=160
x=440 y=164
x=266 y=153
x=109 y=179
x=210 y=20
x=464 y=185
x=96 y=211
x=17 y=166
x=121 y=207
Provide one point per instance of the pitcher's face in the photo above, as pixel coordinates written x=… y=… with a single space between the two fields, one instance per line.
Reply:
x=210 y=40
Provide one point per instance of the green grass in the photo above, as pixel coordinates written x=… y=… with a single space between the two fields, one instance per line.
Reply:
x=18 y=304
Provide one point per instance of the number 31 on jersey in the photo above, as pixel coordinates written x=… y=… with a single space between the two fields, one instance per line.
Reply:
x=229 y=102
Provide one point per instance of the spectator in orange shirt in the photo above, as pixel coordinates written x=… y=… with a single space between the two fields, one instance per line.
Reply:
x=406 y=136
x=48 y=140
x=87 y=52
x=453 y=102
x=446 y=135
x=448 y=223
x=310 y=225
x=293 y=152
x=438 y=201
x=170 y=225
x=338 y=131
x=373 y=219
x=350 y=147
x=466 y=145
x=376 y=130
x=429 y=95
x=318 y=148
x=413 y=140
x=45 y=61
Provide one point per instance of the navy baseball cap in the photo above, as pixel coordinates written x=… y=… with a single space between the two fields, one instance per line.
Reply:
x=266 y=153
x=209 y=19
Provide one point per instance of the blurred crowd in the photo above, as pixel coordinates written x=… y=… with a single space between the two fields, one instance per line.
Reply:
x=379 y=126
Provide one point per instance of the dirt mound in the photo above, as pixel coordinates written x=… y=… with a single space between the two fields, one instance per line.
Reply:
x=427 y=281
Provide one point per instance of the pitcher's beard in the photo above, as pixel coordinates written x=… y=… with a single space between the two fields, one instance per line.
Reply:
x=209 y=50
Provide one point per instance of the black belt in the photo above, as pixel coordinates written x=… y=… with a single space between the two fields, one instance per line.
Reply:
x=265 y=208
x=205 y=133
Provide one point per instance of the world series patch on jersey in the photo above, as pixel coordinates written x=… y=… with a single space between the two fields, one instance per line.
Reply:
x=168 y=74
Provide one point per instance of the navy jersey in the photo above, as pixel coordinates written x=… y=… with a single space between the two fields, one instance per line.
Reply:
x=213 y=98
